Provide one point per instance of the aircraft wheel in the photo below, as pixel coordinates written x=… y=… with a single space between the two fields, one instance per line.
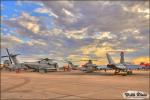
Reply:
x=42 y=71
x=124 y=74
x=116 y=72
x=129 y=72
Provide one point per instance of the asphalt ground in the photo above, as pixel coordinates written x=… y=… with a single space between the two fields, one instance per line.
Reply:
x=70 y=85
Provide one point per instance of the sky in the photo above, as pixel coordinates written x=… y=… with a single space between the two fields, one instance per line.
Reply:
x=76 y=30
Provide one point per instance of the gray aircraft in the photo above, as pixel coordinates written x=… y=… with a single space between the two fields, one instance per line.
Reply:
x=89 y=66
x=73 y=67
x=44 y=65
x=12 y=63
x=120 y=67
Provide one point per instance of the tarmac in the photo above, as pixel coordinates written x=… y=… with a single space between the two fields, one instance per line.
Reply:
x=70 y=85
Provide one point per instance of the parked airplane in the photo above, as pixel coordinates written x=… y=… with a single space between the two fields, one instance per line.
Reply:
x=74 y=67
x=145 y=66
x=88 y=67
x=68 y=64
x=122 y=66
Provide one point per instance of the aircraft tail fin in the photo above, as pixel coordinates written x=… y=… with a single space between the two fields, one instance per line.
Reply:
x=110 y=60
x=122 y=57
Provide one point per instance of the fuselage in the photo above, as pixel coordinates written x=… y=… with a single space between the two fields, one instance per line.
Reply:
x=117 y=66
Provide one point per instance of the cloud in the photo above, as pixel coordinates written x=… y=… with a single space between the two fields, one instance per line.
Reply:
x=110 y=16
x=25 y=24
x=38 y=42
x=67 y=12
x=77 y=34
x=76 y=28
x=102 y=35
x=45 y=10
x=30 y=26
x=10 y=41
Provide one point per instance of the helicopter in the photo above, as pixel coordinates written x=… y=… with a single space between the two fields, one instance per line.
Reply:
x=12 y=64
x=43 y=65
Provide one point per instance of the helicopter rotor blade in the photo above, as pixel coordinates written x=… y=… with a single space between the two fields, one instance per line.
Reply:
x=9 y=55
x=4 y=56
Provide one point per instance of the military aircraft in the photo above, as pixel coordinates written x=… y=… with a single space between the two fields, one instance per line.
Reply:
x=89 y=66
x=12 y=63
x=44 y=65
x=120 y=67
x=73 y=67
x=68 y=63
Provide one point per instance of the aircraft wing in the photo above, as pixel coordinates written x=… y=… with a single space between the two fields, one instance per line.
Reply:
x=133 y=67
x=103 y=67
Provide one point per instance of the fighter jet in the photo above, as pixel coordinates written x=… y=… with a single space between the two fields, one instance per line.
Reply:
x=120 y=67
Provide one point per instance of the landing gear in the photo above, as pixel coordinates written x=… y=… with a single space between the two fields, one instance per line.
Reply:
x=125 y=72
x=42 y=70
x=129 y=72
x=56 y=66
x=117 y=72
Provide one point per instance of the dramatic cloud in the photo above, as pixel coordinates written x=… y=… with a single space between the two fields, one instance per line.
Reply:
x=44 y=10
x=9 y=41
x=78 y=29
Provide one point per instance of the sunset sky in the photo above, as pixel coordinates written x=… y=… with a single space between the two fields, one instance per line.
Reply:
x=76 y=29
